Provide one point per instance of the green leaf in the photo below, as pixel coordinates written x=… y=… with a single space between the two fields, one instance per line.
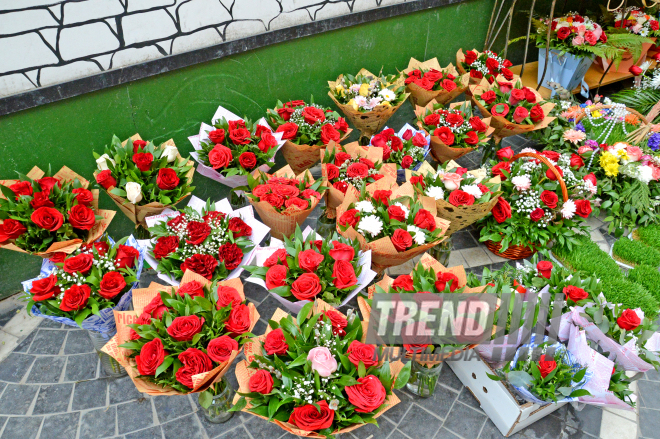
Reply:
x=298 y=361
x=403 y=376
x=205 y=399
x=240 y=405
x=362 y=371
x=304 y=312
x=166 y=363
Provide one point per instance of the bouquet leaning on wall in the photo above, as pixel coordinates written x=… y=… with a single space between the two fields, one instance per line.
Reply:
x=50 y=216
x=427 y=81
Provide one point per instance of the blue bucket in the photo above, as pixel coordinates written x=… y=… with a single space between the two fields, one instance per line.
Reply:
x=567 y=70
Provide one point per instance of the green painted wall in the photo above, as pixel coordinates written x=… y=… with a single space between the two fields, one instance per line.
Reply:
x=172 y=105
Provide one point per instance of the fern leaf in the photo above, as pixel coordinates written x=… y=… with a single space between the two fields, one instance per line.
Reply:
x=640 y=100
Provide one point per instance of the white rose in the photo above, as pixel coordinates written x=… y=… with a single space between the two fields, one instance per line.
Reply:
x=102 y=164
x=133 y=192
x=170 y=152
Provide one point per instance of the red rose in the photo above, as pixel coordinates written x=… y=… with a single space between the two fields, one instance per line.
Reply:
x=492 y=65
x=520 y=114
x=628 y=320
x=655 y=25
x=404 y=282
x=227 y=296
x=144 y=319
x=112 y=284
x=275 y=343
x=306 y=287
x=11 y=229
x=83 y=196
x=105 y=179
x=470 y=57
x=289 y=130
x=483 y=188
x=360 y=352
x=498 y=168
x=508 y=74
x=472 y=138
x=460 y=198
x=285 y=113
x=343 y=274
x=575 y=293
x=41 y=199
x=217 y=136
x=366 y=396
x=401 y=240
x=261 y=382
x=239 y=136
x=309 y=418
x=167 y=179
x=432 y=119
x=501 y=211
x=357 y=170
x=341 y=125
x=273 y=199
x=44 y=289
x=549 y=198
x=546 y=366
x=332 y=171
x=267 y=142
x=82 y=217
x=285 y=190
x=536 y=214
x=552 y=155
x=529 y=95
x=165 y=245
x=583 y=208
x=516 y=96
x=47 y=218
x=231 y=255
x=197 y=232
x=635 y=70
x=341 y=157
x=194 y=362
x=155 y=308
x=261 y=190
x=444 y=279
x=576 y=161
x=80 y=263
x=100 y=246
x=150 y=357
x=418 y=180
x=239 y=228
x=563 y=32
x=505 y=87
x=500 y=110
x=220 y=349
x=143 y=160
x=204 y=265
x=349 y=218
x=454 y=119
x=278 y=257
x=536 y=114
x=298 y=202
x=21 y=188
x=309 y=260
x=239 y=320
x=488 y=97
x=396 y=143
x=445 y=135
x=425 y=220
x=309 y=193
x=276 y=276
x=406 y=161
x=396 y=213
x=184 y=328
x=47 y=183
x=220 y=157
x=312 y=115
x=382 y=196
x=545 y=269
x=505 y=154
x=75 y=298
x=341 y=252
x=338 y=321
x=247 y=160
x=137 y=144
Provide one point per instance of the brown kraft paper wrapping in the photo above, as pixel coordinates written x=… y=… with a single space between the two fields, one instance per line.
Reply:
x=284 y=223
x=383 y=252
x=141 y=297
x=137 y=214
x=504 y=128
x=427 y=262
x=460 y=57
x=421 y=97
x=369 y=122
x=243 y=374
x=100 y=226
x=334 y=197
x=302 y=157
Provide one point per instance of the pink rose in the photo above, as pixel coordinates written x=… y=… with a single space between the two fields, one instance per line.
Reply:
x=452 y=180
x=656 y=173
x=322 y=361
x=578 y=41
x=634 y=153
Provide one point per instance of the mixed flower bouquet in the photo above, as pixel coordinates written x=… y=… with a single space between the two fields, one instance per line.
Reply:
x=461 y=196
x=427 y=81
x=143 y=179
x=636 y=21
x=182 y=340
x=407 y=149
x=50 y=216
x=368 y=100
x=314 y=377
x=530 y=212
x=211 y=240
x=391 y=221
x=231 y=148
x=306 y=128
x=563 y=133
x=301 y=268
x=284 y=199
x=454 y=131
x=486 y=65
x=575 y=34
x=85 y=287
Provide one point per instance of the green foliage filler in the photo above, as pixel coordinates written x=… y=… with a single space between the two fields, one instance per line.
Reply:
x=649 y=235
x=636 y=252
x=647 y=276
x=588 y=258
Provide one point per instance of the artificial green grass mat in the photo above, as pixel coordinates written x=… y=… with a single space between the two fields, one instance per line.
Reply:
x=649 y=235
x=636 y=252
x=649 y=277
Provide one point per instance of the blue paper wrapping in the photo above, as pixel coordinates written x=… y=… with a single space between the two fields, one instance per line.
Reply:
x=103 y=323
x=401 y=173
x=567 y=70
x=568 y=359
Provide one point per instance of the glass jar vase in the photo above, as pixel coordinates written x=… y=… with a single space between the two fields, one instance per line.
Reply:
x=223 y=395
x=237 y=199
x=442 y=251
x=326 y=226
x=423 y=379
x=111 y=367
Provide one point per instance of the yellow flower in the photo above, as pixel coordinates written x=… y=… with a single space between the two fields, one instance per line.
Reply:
x=610 y=164
x=612 y=170
x=353 y=104
x=364 y=90
x=340 y=89
x=385 y=104
x=596 y=114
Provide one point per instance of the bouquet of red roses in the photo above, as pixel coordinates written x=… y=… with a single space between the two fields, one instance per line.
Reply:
x=313 y=375
x=182 y=340
x=391 y=221
x=306 y=128
x=231 y=148
x=487 y=65
x=50 y=216
x=283 y=200
x=211 y=240
x=143 y=179
x=514 y=109
x=86 y=286
x=306 y=266
x=454 y=131
x=427 y=81
x=407 y=149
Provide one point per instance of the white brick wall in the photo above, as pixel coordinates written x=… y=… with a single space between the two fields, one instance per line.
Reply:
x=46 y=42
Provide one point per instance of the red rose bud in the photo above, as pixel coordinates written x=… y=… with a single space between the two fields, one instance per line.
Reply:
x=501 y=211
x=343 y=274
x=45 y=288
x=349 y=218
x=83 y=196
x=635 y=70
x=406 y=162
x=217 y=136
x=536 y=114
x=591 y=178
x=545 y=269
x=546 y=366
x=549 y=198
x=192 y=289
x=137 y=144
x=478 y=125
x=106 y=180
x=261 y=382
x=628 y=320
x=536 y=214
x=126 y=256
x=471 y=138
x=551 y=175
x=516 y=96
x=505 y=154
x=275 y=343
x=289 y=130
x=520 y=114
x=328 y=133
x=444 y=279
x=575 y=293
x=470 y=57
x=150 y=357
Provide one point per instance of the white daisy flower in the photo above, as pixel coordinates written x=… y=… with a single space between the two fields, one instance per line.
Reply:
x=568 y=209
x=417 y=234
x=370 y=224
x=436 y=192
x=365 y=207
x=473 y=190
x=645 y=174
x=387 y=94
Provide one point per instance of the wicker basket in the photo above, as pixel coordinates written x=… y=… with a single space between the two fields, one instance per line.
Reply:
x=642 y=118
x=522 y=251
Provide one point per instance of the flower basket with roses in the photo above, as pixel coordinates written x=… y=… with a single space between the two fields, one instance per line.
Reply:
x=284 y=200
x=454 y=131
x=50 y=216
x=300 y=269
x=391 y=221
x=427 y=81
x=407 y=149
x=143 y=179
x=636 y=23
x=85 y=287
x=209 y=239
x=463 y=197
x=181 y=340
x=352 y=165
x=513 y=109
x=231 y=148
x=529 y=213
x=483 y=65
x=576 y=35
x=306 y=128
x=314 y=377
x=368 y=100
